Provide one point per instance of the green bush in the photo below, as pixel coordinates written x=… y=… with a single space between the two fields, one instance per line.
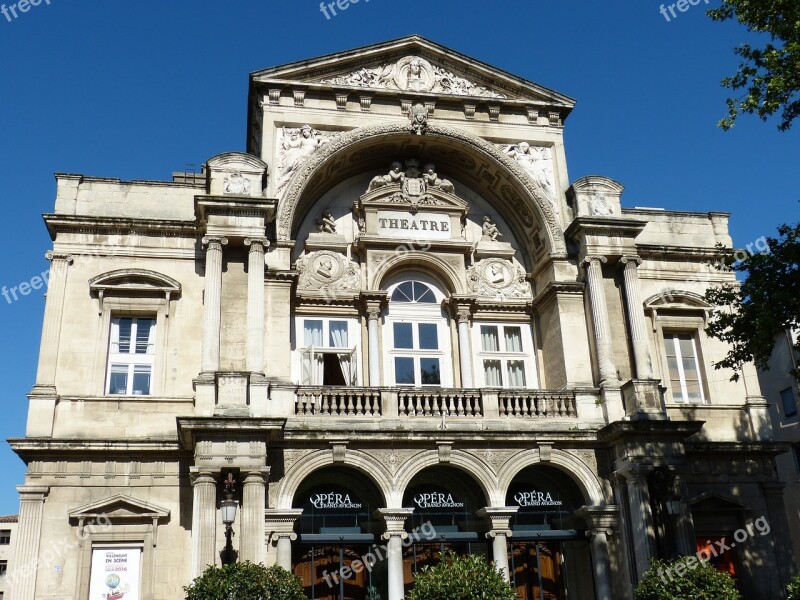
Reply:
x=793 y=589
x=697 y=580
x=457 y=578
x=245 y=581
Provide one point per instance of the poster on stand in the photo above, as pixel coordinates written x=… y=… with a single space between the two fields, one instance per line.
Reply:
x=115 y=574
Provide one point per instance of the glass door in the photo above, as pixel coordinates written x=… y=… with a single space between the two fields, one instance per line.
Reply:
x=538 y=571
x=321 y=569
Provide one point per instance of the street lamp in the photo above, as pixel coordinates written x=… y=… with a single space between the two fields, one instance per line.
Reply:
x=228 y=508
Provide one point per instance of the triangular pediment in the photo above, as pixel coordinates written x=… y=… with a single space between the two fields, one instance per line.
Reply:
x=413 y=65
x=119 y=508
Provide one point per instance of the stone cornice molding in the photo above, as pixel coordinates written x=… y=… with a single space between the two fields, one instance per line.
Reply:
x=553 y=290
x=57 y=223
x=373 y=303
x=289 y=204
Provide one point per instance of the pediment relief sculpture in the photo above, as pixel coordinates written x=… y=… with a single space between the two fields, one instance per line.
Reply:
x=326 y=271
x=498 y=279
x=413 y=186
x=599 y=206
x=536 y=161
x=295 y=145
x=413 y=74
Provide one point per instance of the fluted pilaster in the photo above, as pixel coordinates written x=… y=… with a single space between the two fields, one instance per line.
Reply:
x=212 y=303
x=633 y=295
x=21 y=580
x=204 y=522
x=601 y=325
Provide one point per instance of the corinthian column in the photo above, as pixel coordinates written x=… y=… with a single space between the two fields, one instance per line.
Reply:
x=204 y=522
x=253 y=531
x=633 y=298
x=601 y=326
x=212 y=303
x=255 y=304
x=21 y=580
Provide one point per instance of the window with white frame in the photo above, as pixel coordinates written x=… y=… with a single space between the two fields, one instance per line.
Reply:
x=418 y=335
x=131 y=356
x=685 y=372
x=327 y=351
x=504 y=355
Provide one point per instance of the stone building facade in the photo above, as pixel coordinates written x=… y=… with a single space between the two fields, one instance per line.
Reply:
x=400 y=327
x=8 y=537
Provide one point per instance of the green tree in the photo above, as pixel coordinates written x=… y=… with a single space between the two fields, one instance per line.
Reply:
x=461 y=578
x=245 y=581
x=769 y=74
x=749 y=315
x=793 y=589
x=698 y=580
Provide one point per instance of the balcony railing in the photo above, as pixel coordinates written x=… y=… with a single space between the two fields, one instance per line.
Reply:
x=524 y=404
x=312 y=401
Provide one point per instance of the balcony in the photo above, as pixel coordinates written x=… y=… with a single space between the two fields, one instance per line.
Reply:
x=415 y=403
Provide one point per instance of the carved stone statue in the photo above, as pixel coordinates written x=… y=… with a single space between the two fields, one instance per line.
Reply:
x=490 y=231
x=295 y=147
x=432 y=180
x=326 y=223
x=395 y=176
x=419 y=119
x=538 y=163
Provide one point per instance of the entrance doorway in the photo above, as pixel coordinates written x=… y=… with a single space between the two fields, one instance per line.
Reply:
x=538 y=570
x=322 y=569
x=337 y=555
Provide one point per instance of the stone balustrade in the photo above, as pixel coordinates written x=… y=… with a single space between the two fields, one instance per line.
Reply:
x=355 y=402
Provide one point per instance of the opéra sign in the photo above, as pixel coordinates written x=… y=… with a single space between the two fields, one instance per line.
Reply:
x=536 y=498
x=437 y=500
x=333 y=501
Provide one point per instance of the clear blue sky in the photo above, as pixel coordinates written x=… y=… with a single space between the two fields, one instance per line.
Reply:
x=138 y=89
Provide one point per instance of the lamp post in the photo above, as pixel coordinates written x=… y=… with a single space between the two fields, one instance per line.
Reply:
x=228 y=508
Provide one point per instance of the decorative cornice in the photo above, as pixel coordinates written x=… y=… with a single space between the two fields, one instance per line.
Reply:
x=118 y=226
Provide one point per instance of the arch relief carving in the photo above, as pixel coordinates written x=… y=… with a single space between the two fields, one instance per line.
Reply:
x=306 y=173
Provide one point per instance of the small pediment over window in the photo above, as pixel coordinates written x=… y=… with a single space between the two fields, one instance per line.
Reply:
x=718 y=502
x=677 y=299
x=133 y=283
x=119 y=509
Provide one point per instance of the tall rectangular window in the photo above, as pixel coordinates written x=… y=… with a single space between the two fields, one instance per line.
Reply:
x=5 y=537
x=789 y=401
x=3 y=567
x=417 y=354
x=502 y=356
x=685 y=373
x=327 y=352
x=131 y=356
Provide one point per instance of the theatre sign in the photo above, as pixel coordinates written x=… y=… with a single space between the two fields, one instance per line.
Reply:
x=536 y=499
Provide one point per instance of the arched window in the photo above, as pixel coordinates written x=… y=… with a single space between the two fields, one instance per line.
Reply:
x=418 y=335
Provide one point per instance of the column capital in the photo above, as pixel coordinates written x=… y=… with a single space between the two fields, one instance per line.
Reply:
x=52 y=255
x=632 y=471
x=591 y=259
x=373 y=303
x=33 y=493
x=254 y=243
x=277 y=536
x=259 y=476
x=214 y=240
x=773 y=488
x=599 y=519
x=499 y=518
x=635 y=261
x=594 y=532
x=198 y=475
x=395 y=519
x=461 y=308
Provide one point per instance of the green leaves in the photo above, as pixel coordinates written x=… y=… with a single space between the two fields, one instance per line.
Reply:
x=699 y=580
x=461 y=578
x=793 y=589
x=749 y=316
x=770 y=75
x=245 y=581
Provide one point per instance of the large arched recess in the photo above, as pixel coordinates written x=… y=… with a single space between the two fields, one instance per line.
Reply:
x=470 y=159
